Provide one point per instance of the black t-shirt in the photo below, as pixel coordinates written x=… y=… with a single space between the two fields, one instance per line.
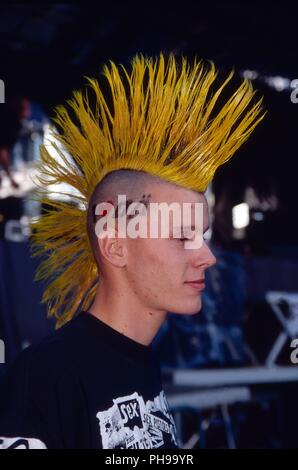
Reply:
x=85 y=386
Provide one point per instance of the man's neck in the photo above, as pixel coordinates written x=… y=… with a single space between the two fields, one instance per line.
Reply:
x=126 y=315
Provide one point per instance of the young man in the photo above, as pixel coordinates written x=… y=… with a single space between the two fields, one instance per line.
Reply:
x=95 y=383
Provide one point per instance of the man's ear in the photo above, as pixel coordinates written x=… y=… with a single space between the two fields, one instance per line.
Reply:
x=113 y=249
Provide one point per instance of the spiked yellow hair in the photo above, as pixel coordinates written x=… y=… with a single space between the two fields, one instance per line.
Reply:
x=160 y=121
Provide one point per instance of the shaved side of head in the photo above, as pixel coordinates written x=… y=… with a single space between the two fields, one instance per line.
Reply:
x=136 y=185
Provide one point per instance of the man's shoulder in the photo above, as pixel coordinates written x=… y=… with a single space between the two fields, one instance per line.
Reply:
x=42 y=381
x=51 y=357
x=64 y=337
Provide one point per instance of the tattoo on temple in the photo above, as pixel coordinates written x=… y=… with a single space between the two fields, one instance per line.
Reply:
x=120 y=211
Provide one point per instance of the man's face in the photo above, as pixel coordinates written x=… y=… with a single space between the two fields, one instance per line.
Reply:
x=159 y=270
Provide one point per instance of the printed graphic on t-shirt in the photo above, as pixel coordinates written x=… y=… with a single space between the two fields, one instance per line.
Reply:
x=133 y=424
x=21 y=443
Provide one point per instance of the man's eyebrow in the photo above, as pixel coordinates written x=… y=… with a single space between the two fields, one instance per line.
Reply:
x=191 y=227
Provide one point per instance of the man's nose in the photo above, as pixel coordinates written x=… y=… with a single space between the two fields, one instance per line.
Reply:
x=212 y=258
x=204 y=256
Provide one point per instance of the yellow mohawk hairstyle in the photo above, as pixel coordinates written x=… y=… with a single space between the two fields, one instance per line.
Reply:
x=160 y=120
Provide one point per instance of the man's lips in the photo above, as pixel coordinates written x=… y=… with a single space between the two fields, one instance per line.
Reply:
x=197 y=283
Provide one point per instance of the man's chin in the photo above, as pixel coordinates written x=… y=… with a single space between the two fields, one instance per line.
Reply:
x=188 y=311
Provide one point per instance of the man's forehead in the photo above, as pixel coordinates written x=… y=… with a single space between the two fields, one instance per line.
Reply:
x=169 y=193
